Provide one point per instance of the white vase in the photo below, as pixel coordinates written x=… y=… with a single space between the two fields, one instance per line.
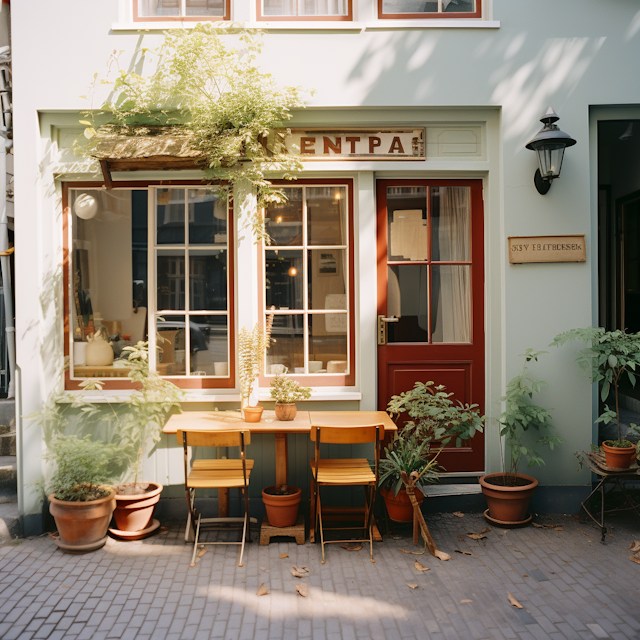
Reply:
x=98 y=352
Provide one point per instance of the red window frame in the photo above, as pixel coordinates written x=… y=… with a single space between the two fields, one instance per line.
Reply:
x=327 y=379
x=430 y=16
x=195 y=382
x=139 y=18
x=262 y=18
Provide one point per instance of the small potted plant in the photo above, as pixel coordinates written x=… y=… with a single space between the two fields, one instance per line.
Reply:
x=508 y=493
x=286 y=392
x=607 y=359
x=406 y=453
x=81 y=500
x=251 y=347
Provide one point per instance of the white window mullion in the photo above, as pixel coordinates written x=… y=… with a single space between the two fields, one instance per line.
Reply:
x=305 y=283
x=187 y=286
x=152 y=289
x=183 y=7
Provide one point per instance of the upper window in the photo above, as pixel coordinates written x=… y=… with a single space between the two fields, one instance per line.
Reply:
x=417 y=9
x=155 y=10
x=308 y=284
x=155 y=257
x=304 y=10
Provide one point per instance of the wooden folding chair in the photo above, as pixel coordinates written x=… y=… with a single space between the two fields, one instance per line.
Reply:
x=216 y=474
x=345 y=472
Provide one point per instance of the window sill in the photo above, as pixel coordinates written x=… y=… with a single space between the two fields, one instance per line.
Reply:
x=310 y=25
x=320 y=395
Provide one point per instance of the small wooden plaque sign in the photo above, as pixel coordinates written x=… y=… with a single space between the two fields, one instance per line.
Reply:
x=547 y=249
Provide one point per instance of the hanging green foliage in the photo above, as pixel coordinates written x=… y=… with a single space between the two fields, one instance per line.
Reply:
x=208 y=91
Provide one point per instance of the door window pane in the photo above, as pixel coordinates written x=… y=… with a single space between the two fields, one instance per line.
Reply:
x=205 y=8
x=287 y=346
x=170 y=278
x=284 y=221
x=171 y=347
x=407 y=224
x=151 y=8
x=328 y=343
x=327 y=279
x=326 y=207
x=209 y=345
x=407 y=300
x=451 y=303
x=170 y=216
x=305 y=7
x=451 y=224
x=207 y=218
x=207 y=280
x=284 y=279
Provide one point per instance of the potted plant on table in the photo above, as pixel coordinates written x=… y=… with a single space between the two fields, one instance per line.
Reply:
x=508 y=493
x=607 y=359
x=434 y=418
x=286 y=392
x=251 y=347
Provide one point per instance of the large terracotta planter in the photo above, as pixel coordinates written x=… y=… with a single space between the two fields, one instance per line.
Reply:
x=399 y=507
x=82 y=526
x=135 y=512
x=508 y=504
x=282 y=511
x=286 y=412
x=619 y=457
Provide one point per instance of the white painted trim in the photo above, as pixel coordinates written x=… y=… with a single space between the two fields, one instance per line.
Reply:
x=431 y=24
x=441 y=490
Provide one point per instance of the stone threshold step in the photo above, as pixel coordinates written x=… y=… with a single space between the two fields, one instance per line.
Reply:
x=443 y=490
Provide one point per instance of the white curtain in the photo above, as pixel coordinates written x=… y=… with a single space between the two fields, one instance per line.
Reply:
x=454 y=238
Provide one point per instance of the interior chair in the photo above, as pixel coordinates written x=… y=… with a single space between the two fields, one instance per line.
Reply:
x=218 y=473
x=345 y=472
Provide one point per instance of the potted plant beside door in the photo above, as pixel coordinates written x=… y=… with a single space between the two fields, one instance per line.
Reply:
x=508 y=493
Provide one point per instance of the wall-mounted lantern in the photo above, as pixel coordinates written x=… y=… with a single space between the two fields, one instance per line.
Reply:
x=549 y=144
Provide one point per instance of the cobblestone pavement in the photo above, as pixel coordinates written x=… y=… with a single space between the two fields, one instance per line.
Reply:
x=570 y=586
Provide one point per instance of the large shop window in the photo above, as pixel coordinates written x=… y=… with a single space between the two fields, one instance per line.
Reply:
x=418 y=9
x=151 y=257
x=308 y=284
x=162 y=10
x=304 y=10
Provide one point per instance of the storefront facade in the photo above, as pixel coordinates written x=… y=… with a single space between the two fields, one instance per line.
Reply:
x=415 y=175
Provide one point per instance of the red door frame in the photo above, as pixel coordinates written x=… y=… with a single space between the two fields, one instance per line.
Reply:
x=469 y=457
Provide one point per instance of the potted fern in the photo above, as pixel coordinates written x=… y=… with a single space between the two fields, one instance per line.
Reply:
x=508 y=493
x=251 y=347
x=286 y=392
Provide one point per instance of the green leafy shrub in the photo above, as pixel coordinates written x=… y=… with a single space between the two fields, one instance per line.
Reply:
x=287 y=391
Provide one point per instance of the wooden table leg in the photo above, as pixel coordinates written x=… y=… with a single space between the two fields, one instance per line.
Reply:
x=223 y=503
x=282 y=459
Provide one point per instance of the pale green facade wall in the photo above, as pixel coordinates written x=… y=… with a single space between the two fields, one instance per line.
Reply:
x=502 y=74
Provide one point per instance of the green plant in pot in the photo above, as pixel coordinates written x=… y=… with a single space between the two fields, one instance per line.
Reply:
x=251 y=349
x=286 y=392
x=609 y=357
x=434 y=417
x=406 y=453
x=525 y=428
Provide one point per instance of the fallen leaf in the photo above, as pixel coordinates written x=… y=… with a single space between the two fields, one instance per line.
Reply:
x=201 y=553
x=264 y=569
x=539 y=526
x=525 y=575
x=350 y=547
x=396 y=537
x=486 y=530
x=299 y=572
x=302 y=589
x=163 y=530
x=284 y=555
x=465 y=601
x=262 y=590
x=464 y=553
x=420 y=567
x=460 y=538
x=513 y=602
x=634 y=546
x=54 y=534
x=459 y=514
x=476 y=536
x=611 y=534
x=635 y=559
x=412 y=586
x=557 y=528
x=441 y=555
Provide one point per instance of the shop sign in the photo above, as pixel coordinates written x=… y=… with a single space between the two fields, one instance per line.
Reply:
x=547 y=249
x=357 y=144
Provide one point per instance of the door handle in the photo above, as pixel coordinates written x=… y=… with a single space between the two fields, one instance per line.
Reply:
x=382 y=328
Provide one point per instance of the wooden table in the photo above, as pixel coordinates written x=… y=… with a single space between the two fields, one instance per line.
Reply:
x=224 y=420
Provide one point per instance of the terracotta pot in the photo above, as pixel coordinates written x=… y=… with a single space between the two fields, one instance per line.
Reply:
x=252 y=414
x=286 y=412
x=282 y=511
x=508 y=504
x=619 y=457
x=399 y=507
x=82 y=526
x=135 y=512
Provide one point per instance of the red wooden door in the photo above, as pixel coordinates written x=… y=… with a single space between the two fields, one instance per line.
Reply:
x=431 y=283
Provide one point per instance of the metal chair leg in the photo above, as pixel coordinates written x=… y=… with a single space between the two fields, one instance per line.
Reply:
x=189 y=531
x=321 y=531
x=244 y=532
x=195 y=543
